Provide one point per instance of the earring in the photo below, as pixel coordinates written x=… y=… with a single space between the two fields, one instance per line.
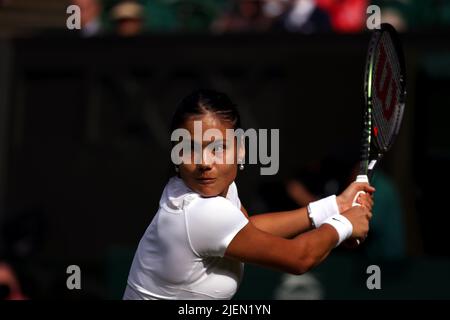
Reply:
x=176 y=169
x=241 y=166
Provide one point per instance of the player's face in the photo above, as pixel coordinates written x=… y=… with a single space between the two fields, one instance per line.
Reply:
x=210 y=176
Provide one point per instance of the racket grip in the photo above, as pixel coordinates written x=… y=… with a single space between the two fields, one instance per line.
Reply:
x=360 y=178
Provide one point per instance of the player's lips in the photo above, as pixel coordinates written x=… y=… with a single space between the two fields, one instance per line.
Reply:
x=206 y=180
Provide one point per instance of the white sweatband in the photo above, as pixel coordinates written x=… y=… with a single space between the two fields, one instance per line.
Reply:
x=342 y=225
x=321 y=210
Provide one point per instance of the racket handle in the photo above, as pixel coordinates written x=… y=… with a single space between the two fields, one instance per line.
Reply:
x=360 y=178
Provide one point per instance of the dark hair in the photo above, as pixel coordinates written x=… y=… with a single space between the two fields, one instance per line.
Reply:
x=206 y=101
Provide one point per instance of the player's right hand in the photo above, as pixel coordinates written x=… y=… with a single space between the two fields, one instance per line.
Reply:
x=359 y=217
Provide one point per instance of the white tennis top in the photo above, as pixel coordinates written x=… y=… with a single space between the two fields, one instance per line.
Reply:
x=181 y=255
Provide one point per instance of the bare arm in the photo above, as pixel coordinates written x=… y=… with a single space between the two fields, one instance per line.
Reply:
x=286 y=224
x=297 y=255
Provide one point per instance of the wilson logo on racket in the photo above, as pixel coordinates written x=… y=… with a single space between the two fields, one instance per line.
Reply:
x=383 y=88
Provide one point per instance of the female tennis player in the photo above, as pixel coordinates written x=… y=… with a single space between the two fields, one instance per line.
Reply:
x=201 y=236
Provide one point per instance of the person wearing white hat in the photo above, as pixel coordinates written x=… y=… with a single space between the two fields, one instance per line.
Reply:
x=128 y=17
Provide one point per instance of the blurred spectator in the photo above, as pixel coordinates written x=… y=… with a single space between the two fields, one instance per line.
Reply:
x=128 y=18
x=275 y=8
x=395 y=18
x=90 y=17
x=386 y=239
x=429 y=14
x=304 y=16
x=22 y=237
x=9 y=285
x=395 y=13
x=388 y=231
x=347 y=16
x=415 y=14
x=194 y=15
x=244 y=16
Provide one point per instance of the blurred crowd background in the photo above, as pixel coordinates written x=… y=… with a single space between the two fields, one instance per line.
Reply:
x=222 y=16
x=85 y=152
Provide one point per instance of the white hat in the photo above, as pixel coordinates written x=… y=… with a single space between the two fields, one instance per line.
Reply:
x=127 y=10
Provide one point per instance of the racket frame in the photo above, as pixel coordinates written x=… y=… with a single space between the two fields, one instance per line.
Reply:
x=371 y=152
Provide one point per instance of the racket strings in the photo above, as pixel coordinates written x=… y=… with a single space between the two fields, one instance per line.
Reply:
x=387 y=81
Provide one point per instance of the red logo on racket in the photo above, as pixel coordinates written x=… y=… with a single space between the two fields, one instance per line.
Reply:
x=382 y=87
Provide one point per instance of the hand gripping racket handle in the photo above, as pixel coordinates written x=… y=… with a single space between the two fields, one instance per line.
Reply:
x=360 y=178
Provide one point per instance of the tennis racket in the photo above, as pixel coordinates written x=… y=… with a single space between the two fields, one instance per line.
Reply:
x=385 y=94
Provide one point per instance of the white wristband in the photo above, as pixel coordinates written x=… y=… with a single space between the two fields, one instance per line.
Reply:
x=342 y=225
x=321 y=210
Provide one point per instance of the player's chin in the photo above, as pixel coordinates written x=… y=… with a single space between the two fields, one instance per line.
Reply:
x=208 y=193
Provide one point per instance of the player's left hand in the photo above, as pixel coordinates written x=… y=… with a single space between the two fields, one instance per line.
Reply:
x=345 y=199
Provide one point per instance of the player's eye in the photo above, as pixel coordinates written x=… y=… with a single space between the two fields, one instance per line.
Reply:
x=219 y=147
